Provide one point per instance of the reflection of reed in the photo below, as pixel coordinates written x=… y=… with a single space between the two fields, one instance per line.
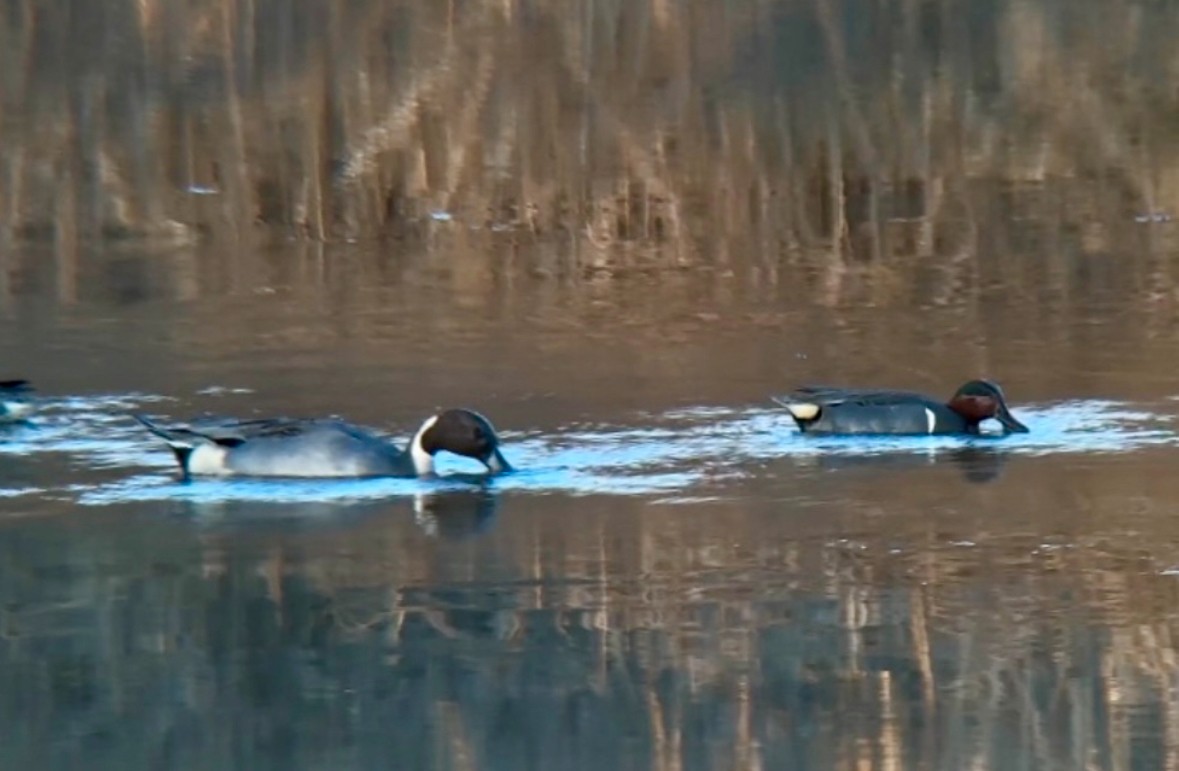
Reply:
x=840 y=625
x=638 y=130
x=656 y=637
x=985 y=672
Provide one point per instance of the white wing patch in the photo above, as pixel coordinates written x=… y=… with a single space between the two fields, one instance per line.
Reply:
x=930 y=421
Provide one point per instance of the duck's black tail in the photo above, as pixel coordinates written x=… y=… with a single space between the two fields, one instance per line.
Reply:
x=181 y=441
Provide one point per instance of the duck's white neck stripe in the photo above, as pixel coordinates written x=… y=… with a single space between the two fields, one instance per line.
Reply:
x=930 y=421
x=423 y=462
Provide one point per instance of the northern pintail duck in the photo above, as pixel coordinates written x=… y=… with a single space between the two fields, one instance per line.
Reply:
x=16 y=401
x=286 y=447
x=823 y=410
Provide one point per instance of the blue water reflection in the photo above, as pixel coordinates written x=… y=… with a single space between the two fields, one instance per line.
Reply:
x=672 y=452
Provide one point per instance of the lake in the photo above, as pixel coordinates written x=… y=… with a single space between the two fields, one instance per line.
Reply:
x=616 y=229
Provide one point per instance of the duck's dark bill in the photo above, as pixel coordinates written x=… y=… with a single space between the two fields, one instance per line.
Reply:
x=497 y=464
x=1009 y=422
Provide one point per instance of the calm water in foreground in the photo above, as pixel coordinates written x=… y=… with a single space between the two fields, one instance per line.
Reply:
x=674 y=579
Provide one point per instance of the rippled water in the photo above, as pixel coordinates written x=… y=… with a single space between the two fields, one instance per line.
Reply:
x=617 y=229
x=696 y=579
x=688 y=452
x=674 y=572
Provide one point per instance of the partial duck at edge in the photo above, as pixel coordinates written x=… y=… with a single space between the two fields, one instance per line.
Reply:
x=288 y=447
x=827 y=410
x=16 y=400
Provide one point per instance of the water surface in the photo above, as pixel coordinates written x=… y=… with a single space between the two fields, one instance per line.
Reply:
x=674 y=573
x=616 y=229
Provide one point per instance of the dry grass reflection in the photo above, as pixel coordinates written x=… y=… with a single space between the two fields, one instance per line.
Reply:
x=754 y=135
x=649 y=638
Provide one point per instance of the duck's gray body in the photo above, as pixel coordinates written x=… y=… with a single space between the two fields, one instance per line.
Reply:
x=307 y=448
x=285 y=447
x=16 y=400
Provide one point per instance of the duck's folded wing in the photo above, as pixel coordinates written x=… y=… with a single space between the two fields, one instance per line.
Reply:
x=228 y=432
x=223 y=430
x=828 y=396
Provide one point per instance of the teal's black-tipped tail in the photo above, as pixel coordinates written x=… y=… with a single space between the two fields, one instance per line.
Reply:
x=804 y=413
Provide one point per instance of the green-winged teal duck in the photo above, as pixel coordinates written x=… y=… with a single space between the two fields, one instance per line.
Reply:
x=824 y=410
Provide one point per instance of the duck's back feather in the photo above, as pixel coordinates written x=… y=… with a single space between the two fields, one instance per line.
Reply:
x=287 y=447
x=827 y=410
x=827 y=395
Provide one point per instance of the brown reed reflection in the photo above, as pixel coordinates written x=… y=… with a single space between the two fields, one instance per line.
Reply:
x=653 y=133
x=641 y=638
